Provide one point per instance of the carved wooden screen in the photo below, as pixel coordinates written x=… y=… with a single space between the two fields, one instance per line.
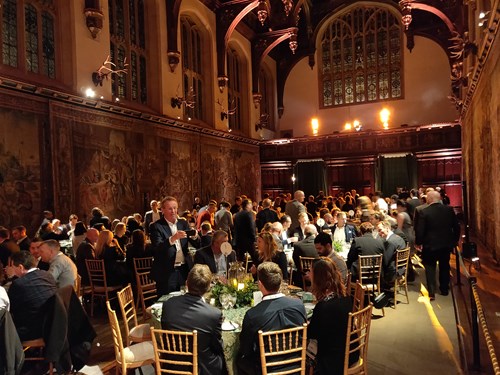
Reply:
x=128 y=46
x=361 y=57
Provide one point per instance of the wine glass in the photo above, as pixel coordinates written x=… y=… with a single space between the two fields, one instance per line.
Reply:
x=231 y=300
x=224 y=300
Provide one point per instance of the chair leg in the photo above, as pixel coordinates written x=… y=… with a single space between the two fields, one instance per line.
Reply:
x=395 y=294
x=51 y=368
x=92 y=304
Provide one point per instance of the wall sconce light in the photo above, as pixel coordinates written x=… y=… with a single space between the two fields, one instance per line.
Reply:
x=173 y=59
x=293 y=178
x=482 y=18
x=384 y=118
x=222 y=80
x=315 y=125
x=93 y=17
x=348 y=126
x=357 y=125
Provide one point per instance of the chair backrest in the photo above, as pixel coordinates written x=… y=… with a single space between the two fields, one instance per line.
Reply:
x=348 y=281
x=358 y=299
x=126 y=301
x=370 y=267
x=402 y=257
x=77 y=285
x=146 y=287
x=176 y=352
x=97 y=272
x=284 y=350
x=306 y=264
x=143 y=264
x=248 y=261
x=115 y=333
x=358 y=332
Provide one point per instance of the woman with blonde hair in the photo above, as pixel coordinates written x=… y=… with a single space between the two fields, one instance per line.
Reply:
x=328 y=324
x=267 y=251
x=108 y=249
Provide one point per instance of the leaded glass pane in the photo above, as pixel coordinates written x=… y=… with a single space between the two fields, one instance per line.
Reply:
x=114 y=81
x=142 y=75
x=31 y=36
x=337 y=56
x=49 y=59
x=338 y=92
x=371 y=59
x=349 y=90
x=372 y=86
x=348 y=59
x=142 y=25
x=360 y=88
x=119 y=19
x=326 y=61
x=132 y=21
x=359 y=52
x=327 y=92
x=9 y=33
x=395 y=84
x=122 y=83
x=112 y=28
x=134 y=76
x=383 y=85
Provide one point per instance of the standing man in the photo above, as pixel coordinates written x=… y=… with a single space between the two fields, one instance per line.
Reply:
x=61 y=267
x=294 y=208
x=170 y=247
x=436 y=232
x=266 y=215
x=236 y=207
x=151 y=216
x=244 y=230
x=275 y=312
x=224 y=219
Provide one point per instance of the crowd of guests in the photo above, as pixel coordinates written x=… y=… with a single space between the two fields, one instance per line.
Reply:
x=188 y=247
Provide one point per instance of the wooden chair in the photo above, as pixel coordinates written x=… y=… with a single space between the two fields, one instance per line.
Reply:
x=146 y=291
x=370 y=269
x=36 y=349
x=77 y=286
x=143 y=264
x=358 y=298
x=305 y=267
x=128 y=357
x=176 y=352
x=248 y=262
x=402 y=261
x=98 y=284
x=134 y=332
x=348 y=283
x=286 y=347
x=358 y=332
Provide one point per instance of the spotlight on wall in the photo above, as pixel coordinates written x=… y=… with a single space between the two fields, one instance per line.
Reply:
x=385 y=114
x=315 y=125
x=348 y=126
x=357 y=125
x=89 y=93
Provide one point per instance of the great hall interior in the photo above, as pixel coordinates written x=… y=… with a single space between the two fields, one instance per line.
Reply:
x=114 y=103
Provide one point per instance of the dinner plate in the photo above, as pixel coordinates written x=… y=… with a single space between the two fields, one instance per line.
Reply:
x=229 y=326
x=173 y=294
x=309 y=306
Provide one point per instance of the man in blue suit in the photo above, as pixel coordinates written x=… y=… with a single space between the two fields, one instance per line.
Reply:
x=169 y=238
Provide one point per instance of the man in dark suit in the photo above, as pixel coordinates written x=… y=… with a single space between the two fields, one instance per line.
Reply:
x=244 y=230
x=293 y=208
x=22 y=240
x=28 y=295
x=212 y=255
x=170 y=248
x=413 y=202
x=266 y=215
x=151 y=216
x=392 y=243
x=437 y=231
x=364 y=245
x=342 y=226
x=8 y=247
x=275 y=312
x=190 y=312
x=304 y=248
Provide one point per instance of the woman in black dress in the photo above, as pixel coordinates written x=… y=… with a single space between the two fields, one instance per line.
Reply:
x=268 y=252
x=328 y=324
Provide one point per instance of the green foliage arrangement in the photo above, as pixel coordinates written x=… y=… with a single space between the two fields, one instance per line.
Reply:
x=338 y=247
x=244 y=296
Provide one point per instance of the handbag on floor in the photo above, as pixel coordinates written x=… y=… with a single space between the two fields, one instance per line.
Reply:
x=381 y=301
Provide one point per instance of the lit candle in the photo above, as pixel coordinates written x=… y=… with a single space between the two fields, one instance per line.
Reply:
x=241 y=286
x=235 y=283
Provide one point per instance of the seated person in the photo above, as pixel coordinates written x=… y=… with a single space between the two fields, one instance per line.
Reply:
x=86 y=250
x=35 y=251
x=275 y=312
x=4 y=298
x=61 y=267
x=328 y=323
x=138 y=248
x=212 y=256
x=267 y=251
x=366 y=244
x=28 y=295
x=190 y=312
x=206 y=234
x=392 y=243
x=108 y=249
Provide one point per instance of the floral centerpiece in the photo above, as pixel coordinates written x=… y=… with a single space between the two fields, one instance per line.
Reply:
x=338 y=246
x=243 y=291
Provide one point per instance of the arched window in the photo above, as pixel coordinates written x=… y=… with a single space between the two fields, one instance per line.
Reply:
x=193 y=68
x=27 y=34
x=361 y=57
x=128 y=46
x=267 y=100
x=235 y=91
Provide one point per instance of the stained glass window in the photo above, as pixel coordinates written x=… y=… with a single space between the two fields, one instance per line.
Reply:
x=28 y=36
x=192 y=68
x=361 y=57
x=234 y=92
x=128 y=49
x=266 y=103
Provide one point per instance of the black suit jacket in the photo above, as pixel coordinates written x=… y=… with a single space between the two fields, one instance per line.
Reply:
x=25 y=244
x=205 y=255
x=28 y=295
x=269 y=315
x=163 y=252
x=364 y=245
x=84 y=251
x=148 y=219
x=190 y=312
x=244 y=232
x=7 y=248
x=265 y=216
x=393 y=244
x=304 y=248
x=436 y=228
x=412 y=206
x=350 y=231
